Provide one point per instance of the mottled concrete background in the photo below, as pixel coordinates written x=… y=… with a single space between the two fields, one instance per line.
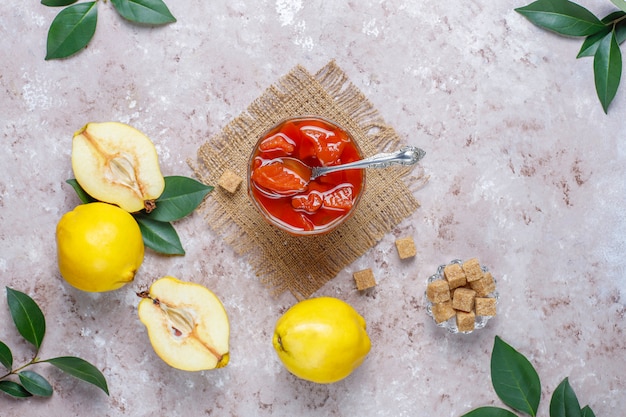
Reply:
x=526 y=173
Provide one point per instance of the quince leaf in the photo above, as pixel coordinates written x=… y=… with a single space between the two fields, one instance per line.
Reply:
x=590 y=45
x=562 y=16
x=180 y=198
x=514 y=378
x=35 y=383
x=82 y=194
x=57 y=3
x=564 y=402
x=159 y=236
x=607 y=69
x=489 y=412
x=27 y=316
x=71 y=30
x=80 y=369
x=587 y=412
x=6 y=357
x=152 y=12
x=14 y=389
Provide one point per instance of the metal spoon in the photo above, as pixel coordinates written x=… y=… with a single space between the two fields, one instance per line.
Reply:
x=407 y=155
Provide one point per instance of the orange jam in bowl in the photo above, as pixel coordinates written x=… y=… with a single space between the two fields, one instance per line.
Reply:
x=284 y=196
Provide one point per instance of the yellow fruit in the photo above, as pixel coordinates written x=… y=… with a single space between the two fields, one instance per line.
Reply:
x=117 y=164
x=99 y=247
x=321 y=339
x=187 y=324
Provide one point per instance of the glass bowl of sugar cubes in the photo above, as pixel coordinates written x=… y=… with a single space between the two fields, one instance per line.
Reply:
x=461 y=296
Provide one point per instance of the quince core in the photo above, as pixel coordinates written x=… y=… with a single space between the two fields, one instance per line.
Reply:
x=116 y=163
x=187 y=324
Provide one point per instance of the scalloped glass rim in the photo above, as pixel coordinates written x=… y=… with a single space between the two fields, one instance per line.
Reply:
x=450 y=324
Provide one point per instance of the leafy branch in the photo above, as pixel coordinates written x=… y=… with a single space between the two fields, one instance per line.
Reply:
x=602 y=38
x=517 y=384
x=31 y=324
x=73 y=28
x=180 y=197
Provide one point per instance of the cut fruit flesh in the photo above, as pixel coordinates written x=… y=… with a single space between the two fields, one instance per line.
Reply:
x=187 y=325
x=117 y=164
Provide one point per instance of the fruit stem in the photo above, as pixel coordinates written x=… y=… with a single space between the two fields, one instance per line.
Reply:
x=149 y=205
x=17 y=370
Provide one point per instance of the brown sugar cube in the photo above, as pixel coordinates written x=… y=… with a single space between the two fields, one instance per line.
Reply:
x=443 y=311
x=452 y=291
x=406 y=247
x=464 y=299
x=230 y=181
x=472 y=270
x=438 y=291
x=364 y=279
x=484 y=286
x=454 y=275
x=485 y=306
x=465 y=321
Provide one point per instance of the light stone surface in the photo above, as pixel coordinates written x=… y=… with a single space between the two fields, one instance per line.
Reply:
x=526 y=173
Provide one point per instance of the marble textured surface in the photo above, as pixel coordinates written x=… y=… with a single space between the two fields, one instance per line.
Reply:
x=526 y=172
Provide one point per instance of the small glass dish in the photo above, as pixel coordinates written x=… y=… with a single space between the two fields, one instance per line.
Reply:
x=451 y=325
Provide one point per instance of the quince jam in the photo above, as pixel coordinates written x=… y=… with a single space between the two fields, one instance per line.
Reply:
x=284 y=194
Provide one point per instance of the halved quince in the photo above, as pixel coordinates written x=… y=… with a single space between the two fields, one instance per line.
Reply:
x=187 y=324
x=116 y=163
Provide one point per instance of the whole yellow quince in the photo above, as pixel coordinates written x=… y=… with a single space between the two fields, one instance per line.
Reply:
x=321 y=339
x=99 y=247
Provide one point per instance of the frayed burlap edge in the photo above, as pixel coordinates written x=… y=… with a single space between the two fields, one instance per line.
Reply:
x=302 y=265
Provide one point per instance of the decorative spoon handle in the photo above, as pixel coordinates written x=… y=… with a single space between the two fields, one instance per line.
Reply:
x=408 y=155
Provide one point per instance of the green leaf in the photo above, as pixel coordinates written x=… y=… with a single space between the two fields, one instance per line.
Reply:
x=35 y=383
x=514 y=378
x=152 y=12
x=159 y=236
x=6 y=357
x=57 y=3
x=27 y=316
x=620 y=32
x=14 y=389
x=562 y=16
x=180 y=198
x=590 y=45
x=489 y=412
x=82 y=194
x=587 y=412
x=620 y=3
x=80 y=369
x=564 y=402
x=71 y=30
x=607 y=69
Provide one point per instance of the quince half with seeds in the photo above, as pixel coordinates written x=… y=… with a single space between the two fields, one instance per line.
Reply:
x=187 y=324
x=116 y=163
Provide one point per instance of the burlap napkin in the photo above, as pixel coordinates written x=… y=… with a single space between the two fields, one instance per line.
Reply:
x=302 y=265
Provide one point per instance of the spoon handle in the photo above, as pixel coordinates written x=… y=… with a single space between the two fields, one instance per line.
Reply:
x=408 y=155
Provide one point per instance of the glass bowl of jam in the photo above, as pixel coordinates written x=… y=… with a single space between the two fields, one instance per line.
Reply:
x=278 y=185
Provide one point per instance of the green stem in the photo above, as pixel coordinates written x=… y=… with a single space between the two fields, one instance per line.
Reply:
x=17 y=370
x=616 y=21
